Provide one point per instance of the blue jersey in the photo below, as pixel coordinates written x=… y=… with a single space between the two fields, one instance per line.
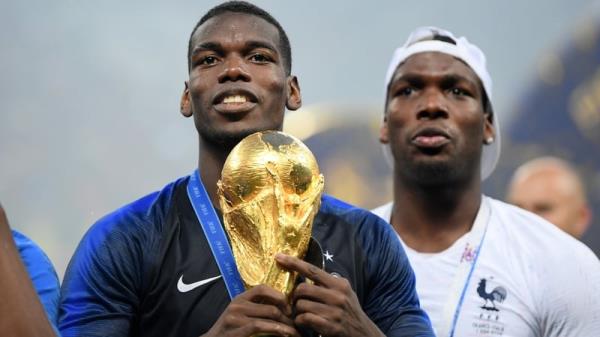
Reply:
x=147 y=270
x=42 y=274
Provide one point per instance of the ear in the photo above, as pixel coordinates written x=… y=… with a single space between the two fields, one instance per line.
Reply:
x=185 y=105
x=585 y=218
x=384 y=137
x=294 y=98
x=489 y=130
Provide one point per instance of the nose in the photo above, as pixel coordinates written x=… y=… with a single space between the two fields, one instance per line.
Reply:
x=433 y=105
x=234 y=70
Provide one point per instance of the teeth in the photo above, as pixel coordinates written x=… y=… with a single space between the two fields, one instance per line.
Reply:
x=235 y=99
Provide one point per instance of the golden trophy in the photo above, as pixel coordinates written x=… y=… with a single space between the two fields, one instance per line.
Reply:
x=269 y=193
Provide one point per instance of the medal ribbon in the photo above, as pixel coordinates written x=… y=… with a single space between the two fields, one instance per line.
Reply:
x=456 y=295
x=215 y=235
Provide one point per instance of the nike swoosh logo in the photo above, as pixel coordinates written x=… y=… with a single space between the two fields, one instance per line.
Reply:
x=184 y=288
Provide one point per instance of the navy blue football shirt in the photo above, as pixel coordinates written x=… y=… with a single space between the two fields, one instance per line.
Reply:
x=147 y=270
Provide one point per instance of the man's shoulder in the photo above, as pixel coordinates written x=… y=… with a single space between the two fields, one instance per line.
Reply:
x=141 y=220
x=24 y=243
x=32 y=255
x=29 y=249
x=532 y=235
x=148 y=210
x=41 y=272
x=348 y=213
x=372 y=232
x=565 y=272
x=527 y=225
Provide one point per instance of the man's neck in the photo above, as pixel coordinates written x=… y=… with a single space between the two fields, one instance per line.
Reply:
x=431 y=219
x=210 y=164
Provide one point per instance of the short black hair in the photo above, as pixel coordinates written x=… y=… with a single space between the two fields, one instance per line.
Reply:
x=250 y=9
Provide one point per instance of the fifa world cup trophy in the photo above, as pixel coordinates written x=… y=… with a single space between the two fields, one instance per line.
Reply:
x=269 y=193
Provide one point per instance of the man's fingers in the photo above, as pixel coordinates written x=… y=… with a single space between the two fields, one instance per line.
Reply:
x=263 y=294
x=332 y=314
x=267 y=327
x=305 y=269
x=262 y=311
x=316 y=293
x=320 y=324
x=257 y=311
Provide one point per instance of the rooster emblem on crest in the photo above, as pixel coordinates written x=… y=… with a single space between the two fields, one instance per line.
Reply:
x=497 y=295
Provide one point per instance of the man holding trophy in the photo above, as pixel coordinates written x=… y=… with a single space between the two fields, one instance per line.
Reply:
x=165 y=266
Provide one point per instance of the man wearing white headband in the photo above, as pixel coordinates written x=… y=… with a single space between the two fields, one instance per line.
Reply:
x=483 y=267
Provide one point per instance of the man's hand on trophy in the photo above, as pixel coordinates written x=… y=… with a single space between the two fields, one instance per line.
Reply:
x=260 y=310
x=329 y=306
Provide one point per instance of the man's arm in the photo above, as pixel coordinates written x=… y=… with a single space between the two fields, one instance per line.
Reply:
x=101 y=288
x=21 y=313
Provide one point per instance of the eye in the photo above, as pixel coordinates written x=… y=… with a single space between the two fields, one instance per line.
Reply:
x=260 y=58
x=208 y=60
x=406 y=91
x=459 y=92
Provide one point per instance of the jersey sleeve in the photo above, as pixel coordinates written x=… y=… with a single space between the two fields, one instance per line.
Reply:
x=101 y=290
x=42 y=274
x=569 y=292
x=392 y=301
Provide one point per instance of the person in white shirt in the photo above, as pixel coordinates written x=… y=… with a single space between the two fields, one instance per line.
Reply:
x=551 y=188
x=483 y=267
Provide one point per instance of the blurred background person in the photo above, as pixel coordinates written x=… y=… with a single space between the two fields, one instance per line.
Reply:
x=551 y=188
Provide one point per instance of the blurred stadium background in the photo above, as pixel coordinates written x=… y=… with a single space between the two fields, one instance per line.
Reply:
x=90 y=93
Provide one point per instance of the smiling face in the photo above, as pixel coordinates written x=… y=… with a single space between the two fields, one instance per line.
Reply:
x=237 y=80
x=435 y=122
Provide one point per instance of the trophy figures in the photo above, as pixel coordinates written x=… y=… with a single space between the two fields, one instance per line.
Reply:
x=269 y=193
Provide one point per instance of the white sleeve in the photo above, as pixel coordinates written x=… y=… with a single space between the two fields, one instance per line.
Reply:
x=569 y=291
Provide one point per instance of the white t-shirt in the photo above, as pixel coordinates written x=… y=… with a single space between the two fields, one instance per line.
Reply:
x=531 y=279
